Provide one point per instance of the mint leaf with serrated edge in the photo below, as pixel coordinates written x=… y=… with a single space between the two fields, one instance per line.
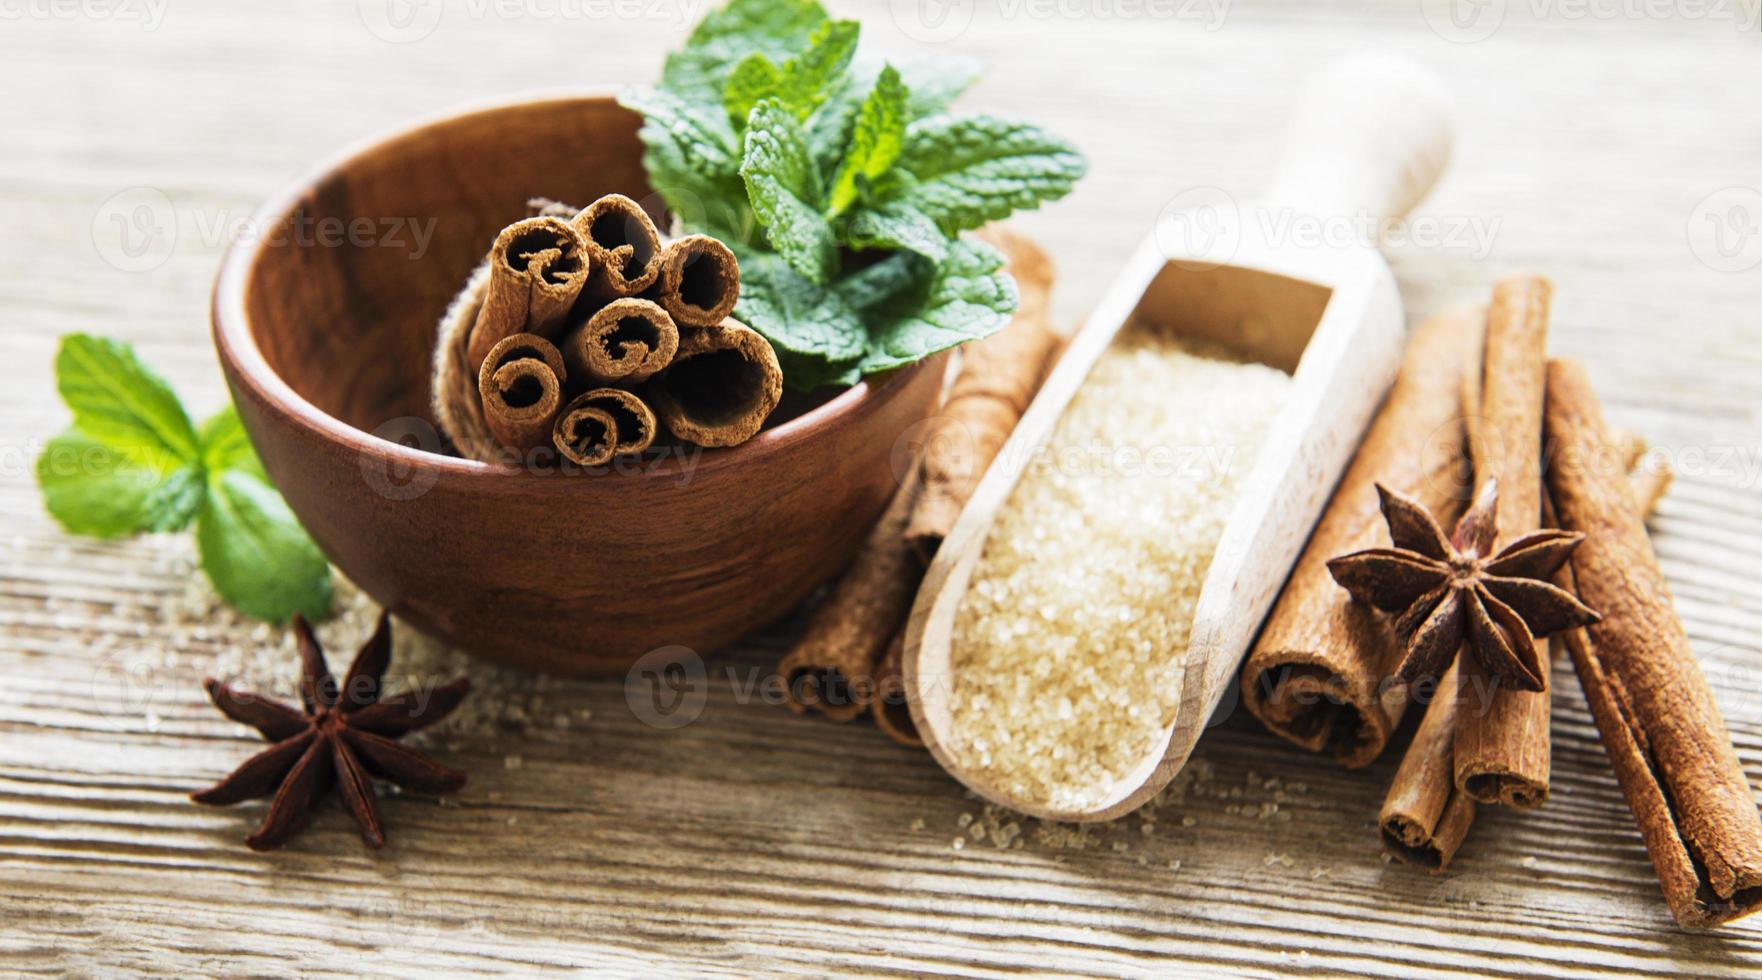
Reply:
x=966 y=297
x=876 y=141
x=692 y=157
x=897 y=226
x=132 y=463
x=794 y=314
x=784 y=189
x=255 y=552
x=848 y=242
x=971 y=170
x=805 y=80
x=226 y=446
x=933 y=83
x=777 y=29
x=115 y=397
x=105 y=488
x=755 y=78
x=800 y=84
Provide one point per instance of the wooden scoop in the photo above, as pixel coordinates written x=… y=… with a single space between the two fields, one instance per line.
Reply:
x=1292 y=281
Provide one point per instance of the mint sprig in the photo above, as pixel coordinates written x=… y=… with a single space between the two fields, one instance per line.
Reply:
x=831 y=173
x=132 y=462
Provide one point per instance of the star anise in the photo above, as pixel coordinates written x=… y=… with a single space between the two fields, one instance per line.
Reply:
x=1448 y=591
x=344 y=736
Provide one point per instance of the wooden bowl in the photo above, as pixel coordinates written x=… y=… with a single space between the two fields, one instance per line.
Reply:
x=325 y=323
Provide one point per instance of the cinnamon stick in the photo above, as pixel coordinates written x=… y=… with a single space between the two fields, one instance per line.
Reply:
x=1502 y=745
x=1425 y=817
x=1666 y=740
x=622 y=245
x=890 y=708
x=537 y=268
x=723 y=383
x=831 y=669
x=521 y=385
x=997 y=379
x=628 y=341
x=699 y=282
x=1316 y=674
x=601 y=424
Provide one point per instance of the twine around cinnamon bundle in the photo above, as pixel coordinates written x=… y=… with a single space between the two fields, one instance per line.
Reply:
x=585 y=333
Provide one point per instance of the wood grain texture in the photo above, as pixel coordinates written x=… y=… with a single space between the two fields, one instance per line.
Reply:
x=754 y=840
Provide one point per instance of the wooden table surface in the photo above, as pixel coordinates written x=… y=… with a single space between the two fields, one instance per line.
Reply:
x=1615 y=147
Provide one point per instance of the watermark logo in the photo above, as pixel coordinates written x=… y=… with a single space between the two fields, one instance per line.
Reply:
x=148 y=13
x=667 y=688
x=394 y=478
x=1203 y=228
x=135 y=230
x=1725 y=230
x=1463 y=21
x=1200 y=228
x=128 y=685
x=932 y=21
x=400 y=21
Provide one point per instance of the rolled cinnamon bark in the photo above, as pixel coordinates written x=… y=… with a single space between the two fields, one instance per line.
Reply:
x=521 y=385
x=1316 y=674
x=890 y=709
x=831 y=669
x=601 y=424
x=622 y=246
x=997 y=379
x=626 y=342
x=699 y=282
x=1502 y=745
x=537 y=268
x=723 y=383
x=1666 y=740
x=1425 y=817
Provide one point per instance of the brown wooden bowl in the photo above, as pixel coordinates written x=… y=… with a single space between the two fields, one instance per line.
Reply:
x=325 y=323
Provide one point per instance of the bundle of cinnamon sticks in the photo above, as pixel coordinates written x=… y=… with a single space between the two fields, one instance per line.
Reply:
x=847 y=661
x=584 y=335
x=1477 y=400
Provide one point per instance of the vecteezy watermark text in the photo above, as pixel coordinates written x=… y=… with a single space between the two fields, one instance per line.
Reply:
x=148 y=13
x=409 y=21
x=1203 y=227
x=137 y=230
x=1468 y=21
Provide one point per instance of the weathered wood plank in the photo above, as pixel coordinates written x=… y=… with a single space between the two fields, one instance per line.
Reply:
x=753 y=839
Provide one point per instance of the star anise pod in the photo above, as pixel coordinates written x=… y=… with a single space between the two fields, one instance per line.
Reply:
x=343 y=736
x=1449 y=591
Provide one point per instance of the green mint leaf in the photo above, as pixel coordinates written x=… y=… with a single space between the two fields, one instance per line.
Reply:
x=107 y=488
x=693 y=158
x=257 y=554
x=777 y=29
x=875 y=284
x=803 y=373
x=802 y=83
x=806 y=80
x=933 y=83
x=226 y=446
x=784 y=189
x=799 y=318
x=964 y=298
x=973 y=170
x=895 y=226
x=876 y=141
x=118 y=400
x=755 y=78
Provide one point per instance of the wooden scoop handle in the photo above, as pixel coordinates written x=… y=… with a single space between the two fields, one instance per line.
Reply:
x=1370 y=135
